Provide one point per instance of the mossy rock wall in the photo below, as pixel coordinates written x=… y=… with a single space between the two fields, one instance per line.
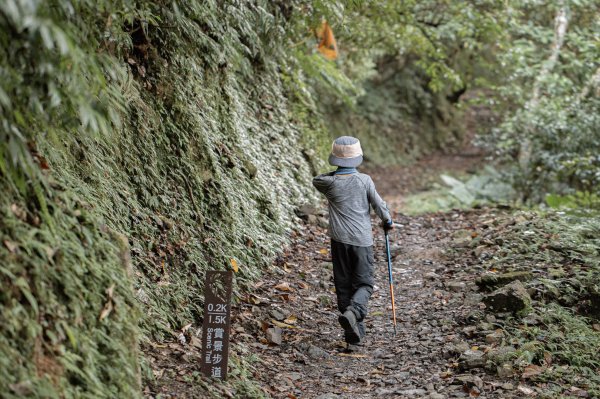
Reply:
x=142 y=145
x=105 y=244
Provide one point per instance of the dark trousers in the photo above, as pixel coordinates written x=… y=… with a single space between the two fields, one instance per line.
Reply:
x=353 y=277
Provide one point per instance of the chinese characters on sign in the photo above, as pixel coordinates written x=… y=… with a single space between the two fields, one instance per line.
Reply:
x=215 y=329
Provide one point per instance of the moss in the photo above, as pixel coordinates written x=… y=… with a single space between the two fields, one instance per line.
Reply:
x=492 y=281
x=70 y=318
x=153 y=142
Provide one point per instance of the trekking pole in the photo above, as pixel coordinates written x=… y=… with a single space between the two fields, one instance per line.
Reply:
x=389 y=259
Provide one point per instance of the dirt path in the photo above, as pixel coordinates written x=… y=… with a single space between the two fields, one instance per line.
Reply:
x=394 y=183
x=290 y=322
x=434 y=296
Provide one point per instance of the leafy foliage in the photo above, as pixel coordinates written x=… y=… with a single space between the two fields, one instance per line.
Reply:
x=153 y=134
x=142 y=143
x=563 y=252
x=551 y=95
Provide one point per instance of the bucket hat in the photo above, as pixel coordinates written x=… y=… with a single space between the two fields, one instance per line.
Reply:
x=346 y=152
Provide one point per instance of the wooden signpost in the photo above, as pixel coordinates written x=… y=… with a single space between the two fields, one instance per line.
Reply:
x=215 y=328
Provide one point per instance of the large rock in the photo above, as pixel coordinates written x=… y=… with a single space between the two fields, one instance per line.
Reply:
x=500 y=355
x=274 y=335
x=306 y=210
x=510 y=298
x=491 y=281
x=328 y=396
x=455 y=286
x=471 y=359
x=315 y=352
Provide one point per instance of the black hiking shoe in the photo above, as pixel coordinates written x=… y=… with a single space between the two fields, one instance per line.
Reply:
x=350 y=326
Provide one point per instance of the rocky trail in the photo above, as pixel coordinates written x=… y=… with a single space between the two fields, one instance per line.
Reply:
x=436 y=352
x=447 y=345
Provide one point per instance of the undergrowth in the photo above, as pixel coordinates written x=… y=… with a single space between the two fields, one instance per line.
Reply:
x=143 y=143
x=146 y=144
x=562 y=333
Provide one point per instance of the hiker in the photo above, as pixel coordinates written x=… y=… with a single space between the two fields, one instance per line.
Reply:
x=350 y=194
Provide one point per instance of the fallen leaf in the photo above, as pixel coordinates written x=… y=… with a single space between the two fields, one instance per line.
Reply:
x=302 y=285
x=253 y=299
x=50 y=252
x=532 y=370
x=234 y=265
x=357 y=355
x=323 y=251
x=446 y=374
x=259 y=284
x=181 y=339
x=286 y=297
x=284 y=286
x=11 y=246
x=291 y=320
x=186 y=327
x=194 y=341
x=43 y=163
x=18 y=211
x=264 y=325
x=547 y=359
x=108 y=307
x=579 y=392
x=525 y=390
x=109 y=291
x=282 y=325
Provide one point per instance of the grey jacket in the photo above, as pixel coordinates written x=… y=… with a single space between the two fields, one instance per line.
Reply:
x=349 y=197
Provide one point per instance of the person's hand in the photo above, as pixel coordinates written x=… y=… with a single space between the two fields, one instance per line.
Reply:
x=387 y=225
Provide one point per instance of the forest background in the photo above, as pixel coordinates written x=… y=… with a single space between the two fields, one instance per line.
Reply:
x=143 y=143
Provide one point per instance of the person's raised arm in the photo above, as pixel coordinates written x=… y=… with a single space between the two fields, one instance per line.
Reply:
x=322 y=182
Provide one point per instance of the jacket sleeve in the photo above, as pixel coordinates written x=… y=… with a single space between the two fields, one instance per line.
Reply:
x=322 y=182
x=379 y=206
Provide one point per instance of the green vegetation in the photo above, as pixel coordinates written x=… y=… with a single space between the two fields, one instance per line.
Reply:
x=146 y=132
x=550 y=132
x=142 y=143
x=560 y=333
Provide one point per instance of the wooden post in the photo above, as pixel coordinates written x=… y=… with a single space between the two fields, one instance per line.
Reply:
x=216 y=325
